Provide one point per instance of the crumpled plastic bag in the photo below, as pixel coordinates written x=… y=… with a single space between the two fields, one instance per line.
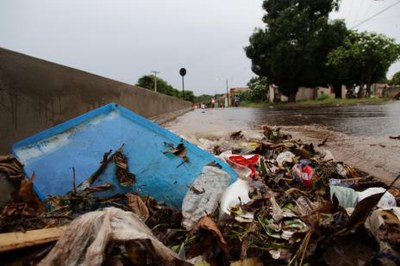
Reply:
x=285 y=156
x=386 y=201
x=303 y=173
x=243 y=171
x=237 y=193
x=347 y=197
x=246 y=160
x=204 y=194
x=87 y=237
x=384 y=225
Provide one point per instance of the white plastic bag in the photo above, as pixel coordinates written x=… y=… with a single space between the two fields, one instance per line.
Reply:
x=87 y=237
x=386 y=201
x=285 y=156
x=236 y=194
x=204 y=194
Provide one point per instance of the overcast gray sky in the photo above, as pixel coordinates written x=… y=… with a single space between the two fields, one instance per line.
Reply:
x=125 y=39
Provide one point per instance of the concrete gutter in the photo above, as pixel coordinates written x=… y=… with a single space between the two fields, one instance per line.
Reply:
x=164 y=118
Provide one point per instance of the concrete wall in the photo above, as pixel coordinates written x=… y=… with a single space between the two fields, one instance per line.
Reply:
x=37 y=94
x=304 y=94
x=326 y=91
x=392 y=91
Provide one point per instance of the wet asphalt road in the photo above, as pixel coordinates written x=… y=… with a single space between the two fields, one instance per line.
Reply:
x=363 y=120
x=358 y=135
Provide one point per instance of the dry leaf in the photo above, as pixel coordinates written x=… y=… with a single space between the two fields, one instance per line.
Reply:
x=27 y=195
x=247 y=262
x=136 y=205
x=208 y=224
x=124 y=176
x=99 y=188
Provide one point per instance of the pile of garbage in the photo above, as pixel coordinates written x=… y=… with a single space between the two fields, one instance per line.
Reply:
x=291 y=205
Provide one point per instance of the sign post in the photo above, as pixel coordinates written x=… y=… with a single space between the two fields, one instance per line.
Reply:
x=182 y=72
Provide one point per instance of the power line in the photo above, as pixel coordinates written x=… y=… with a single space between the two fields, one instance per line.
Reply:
x=358 y=11
x=376 y=14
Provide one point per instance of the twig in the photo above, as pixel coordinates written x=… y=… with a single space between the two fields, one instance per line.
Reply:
x=307 y=241
x=74 y=179
x=323 y=142
x=50 y=217
x=106 y=160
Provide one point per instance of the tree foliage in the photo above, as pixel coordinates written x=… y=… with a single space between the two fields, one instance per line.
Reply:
x=204 y=98
x=395 y=79
x=147 y=82
x=163 y=87
x=364 y=57
x=292 y=49
x=258 y=89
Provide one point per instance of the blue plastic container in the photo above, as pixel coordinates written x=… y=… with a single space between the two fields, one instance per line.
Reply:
x=82 y=141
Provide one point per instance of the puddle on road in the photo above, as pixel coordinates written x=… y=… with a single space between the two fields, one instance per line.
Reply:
x=357 y=135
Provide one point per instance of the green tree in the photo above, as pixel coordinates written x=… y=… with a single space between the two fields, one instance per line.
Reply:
x=189 y=96
x=163 y=87
x=146 y=82
x=364 y=58
x=292 y=49
x=395 y=79
x=204 y=98
x=258 y=89
x=244 y=96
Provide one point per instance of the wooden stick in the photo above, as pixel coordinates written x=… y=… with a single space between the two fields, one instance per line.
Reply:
x=16 y=240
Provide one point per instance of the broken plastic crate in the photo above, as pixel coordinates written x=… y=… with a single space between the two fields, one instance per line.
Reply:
x=82 y=142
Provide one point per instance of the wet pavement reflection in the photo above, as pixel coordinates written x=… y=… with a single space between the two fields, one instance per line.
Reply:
x=363 y=120
x=358 y=135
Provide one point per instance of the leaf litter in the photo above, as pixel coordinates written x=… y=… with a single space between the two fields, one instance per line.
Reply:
x=293 y=224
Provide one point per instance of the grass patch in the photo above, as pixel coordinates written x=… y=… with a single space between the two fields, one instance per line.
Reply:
x=254 y=104
x=335 y=102
x=320 y=101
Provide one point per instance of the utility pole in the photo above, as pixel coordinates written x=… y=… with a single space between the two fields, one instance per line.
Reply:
x=227 y=91
x=227 y=94
x=155 y=79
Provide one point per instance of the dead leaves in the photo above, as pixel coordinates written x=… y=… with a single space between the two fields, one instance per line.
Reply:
x=137 y=206
x=27 y=194
x=207 y=223
x=364 y=208
x=247 y=262
x=124 y=176
x=180 y=151
x=323 y=142
x=12 y=168
x=236 y=135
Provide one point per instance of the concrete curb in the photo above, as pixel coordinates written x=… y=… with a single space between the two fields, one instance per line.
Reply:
x=164 y=118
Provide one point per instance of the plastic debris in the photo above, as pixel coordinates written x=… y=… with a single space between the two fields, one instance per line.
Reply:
x=234 y=196
x=386 y=201
x=243 y=171
x=249 y=161
x=203 y=195
x=346 y=197
x=268 y=213
x=384 y=225
x=94 y=237
x=283 y=157
x=303 y=173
